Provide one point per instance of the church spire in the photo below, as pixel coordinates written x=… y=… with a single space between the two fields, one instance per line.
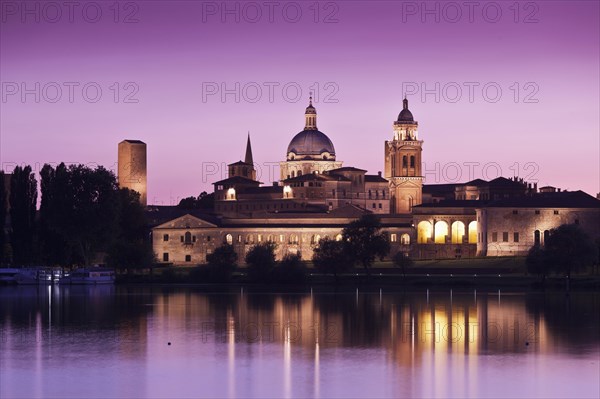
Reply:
x=310 y=115
x=248 y=158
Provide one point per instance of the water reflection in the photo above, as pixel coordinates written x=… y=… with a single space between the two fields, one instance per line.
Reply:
x=153 y=341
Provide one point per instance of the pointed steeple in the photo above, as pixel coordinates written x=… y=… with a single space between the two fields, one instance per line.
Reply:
x=248 y=159
x=310 y=115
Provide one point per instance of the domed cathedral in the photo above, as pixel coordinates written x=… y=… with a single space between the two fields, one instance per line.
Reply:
x=403 y=163
x=310 y=151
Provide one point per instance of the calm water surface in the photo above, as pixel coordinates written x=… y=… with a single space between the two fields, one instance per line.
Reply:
x=161 y=342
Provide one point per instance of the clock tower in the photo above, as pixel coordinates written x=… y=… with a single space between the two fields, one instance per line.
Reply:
x=403 y=163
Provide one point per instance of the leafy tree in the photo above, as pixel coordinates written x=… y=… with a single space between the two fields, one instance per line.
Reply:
x=570 y=249
x=203 y=201
x=403 y=261
x=23 y=202
x=538 y=263
x=222 y=263
x=290 y=270
x=332 y=257
x=366 y=240
x=261 y=261
x=132 y=248
x=81 y=208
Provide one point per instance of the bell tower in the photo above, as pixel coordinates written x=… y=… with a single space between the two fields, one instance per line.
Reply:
x=403 y=163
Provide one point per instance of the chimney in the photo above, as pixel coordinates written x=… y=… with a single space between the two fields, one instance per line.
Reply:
x=379 y=173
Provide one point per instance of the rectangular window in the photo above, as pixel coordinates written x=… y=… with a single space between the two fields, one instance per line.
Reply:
x=193 y=238
x=181 y=238
x=393 y=237
x=556 y=212
x=165 y=237
x=516 y=237
x=165 y=256
x=259 y=238
x=537 y=212
x=515 y=212
x=281 y=237
x=505 y=236
x=380 y=206
x=188 y=258
x=374 y=206
x=208 y=238
x=494 y=237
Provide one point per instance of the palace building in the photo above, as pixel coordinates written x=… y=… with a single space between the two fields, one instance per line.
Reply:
x=317 y=196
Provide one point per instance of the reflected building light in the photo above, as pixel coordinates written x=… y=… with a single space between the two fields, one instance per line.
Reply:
x=231 y=353
x=317 y=380
x=287 y=362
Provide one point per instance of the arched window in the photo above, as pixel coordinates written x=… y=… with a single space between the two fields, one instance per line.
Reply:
x=293 y=174
x=316 y=238
x=441 y=232
x=393 y=237
x=424 y=231
x=188 y=237
x=412 y=161
x=249 y=238
x=405 y=239
x=404 y=161
x=546 y=235
x=229 y=239
x=338 y=237
x=473 y=232
x=393 y=164
x=536 y=238
x=299 y=173
x=293 y=239
x=458 y=232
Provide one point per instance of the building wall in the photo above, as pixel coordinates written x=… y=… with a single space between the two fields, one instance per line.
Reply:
x=294 y=239
x=132 y=172
x=511 y=231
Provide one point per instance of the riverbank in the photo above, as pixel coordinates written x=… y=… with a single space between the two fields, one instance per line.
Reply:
x=485 y=273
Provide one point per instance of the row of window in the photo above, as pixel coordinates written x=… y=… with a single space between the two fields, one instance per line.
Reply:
x=505 y=236
x=537 y=212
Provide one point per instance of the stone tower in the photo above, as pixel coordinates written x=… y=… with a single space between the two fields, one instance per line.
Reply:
x=132 y=167
x=403 y=163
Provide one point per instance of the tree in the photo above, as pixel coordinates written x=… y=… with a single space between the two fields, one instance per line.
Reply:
x=80 y=212
x=261 y=261
x=366 y=240
x=332 y=257
x=203 y=201
x=290 y=270
x=570 y=249
x=23 y=202
x=538 y=263
x=222 y=263
x=131 y=249
x=403 y=261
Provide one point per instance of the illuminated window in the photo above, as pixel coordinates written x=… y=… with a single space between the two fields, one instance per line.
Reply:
x=441 y=232
x=424 y=231
x=473 y=232
x=405 y=239
x=458 y=232
x=229 y=239
x=393 y=237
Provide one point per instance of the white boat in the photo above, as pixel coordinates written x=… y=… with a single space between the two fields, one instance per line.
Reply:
x=8 y=275
x=91 y=275
x=38 y=275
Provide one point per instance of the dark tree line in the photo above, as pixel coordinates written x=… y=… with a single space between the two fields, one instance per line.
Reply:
x=84 y=218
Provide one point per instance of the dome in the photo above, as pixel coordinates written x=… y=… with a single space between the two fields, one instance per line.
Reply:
x=310 y=143
x=405 y=116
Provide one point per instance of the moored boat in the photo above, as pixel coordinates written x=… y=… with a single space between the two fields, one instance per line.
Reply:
x=91 y=275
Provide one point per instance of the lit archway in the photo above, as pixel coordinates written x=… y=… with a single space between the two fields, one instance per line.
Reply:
x=473 y=232
x=405 y=239
x=458 y=232
x=424 y=231
x=441 y=232
x=229 y=239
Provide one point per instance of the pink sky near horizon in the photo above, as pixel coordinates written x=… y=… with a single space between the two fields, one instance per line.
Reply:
x=369 y=55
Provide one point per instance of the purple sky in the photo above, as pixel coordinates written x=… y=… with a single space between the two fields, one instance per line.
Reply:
x=364 y=58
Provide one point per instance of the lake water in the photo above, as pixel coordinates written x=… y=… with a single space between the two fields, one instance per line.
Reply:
x=161 y=342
